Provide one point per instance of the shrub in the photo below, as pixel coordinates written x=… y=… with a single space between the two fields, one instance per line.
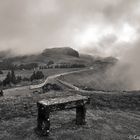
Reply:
x=50 y=62
x=1 y=72
x=26 y=79
x=18 y=79
x=37 y=75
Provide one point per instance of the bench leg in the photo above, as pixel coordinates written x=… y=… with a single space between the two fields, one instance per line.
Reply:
x=43 y=121
x=80 y=115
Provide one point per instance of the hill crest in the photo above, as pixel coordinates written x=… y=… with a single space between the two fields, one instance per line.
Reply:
x=61 y=51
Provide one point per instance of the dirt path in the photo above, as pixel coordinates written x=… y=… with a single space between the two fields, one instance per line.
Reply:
x=50 y=78
x=17 y=91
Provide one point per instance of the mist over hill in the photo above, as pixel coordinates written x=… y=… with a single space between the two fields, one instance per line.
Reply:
x=62 y=55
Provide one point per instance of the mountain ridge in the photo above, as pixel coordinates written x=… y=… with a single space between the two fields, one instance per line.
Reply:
x=59 y=55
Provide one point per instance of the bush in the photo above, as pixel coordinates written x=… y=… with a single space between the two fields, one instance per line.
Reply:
x=13 y=77
x=18 y=79
x=1 y=72
x=50 y=62
x=37 y=75
x=28 y=66
x=48 y=87
x=7 y=80
x=26 y=79
x=1 y=83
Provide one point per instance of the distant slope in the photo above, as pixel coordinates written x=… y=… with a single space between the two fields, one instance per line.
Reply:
x=61 y=55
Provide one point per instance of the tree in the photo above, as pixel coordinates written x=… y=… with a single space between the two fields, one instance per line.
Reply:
x=13 y=77
x=1 y=83
x=18 y=79
x=26 y=79
x=37 y=75
x=1 y=72
x=50 y=62
x=7 y=80
x=10 y=78
x=33 y=76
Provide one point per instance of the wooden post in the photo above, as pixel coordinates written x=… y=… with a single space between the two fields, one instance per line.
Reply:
x=80 y=115
x=43 y=121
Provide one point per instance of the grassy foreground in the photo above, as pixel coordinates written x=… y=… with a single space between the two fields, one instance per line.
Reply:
x=107 y=118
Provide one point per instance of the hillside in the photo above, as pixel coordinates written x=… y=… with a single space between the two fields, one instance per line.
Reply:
x=63 y=55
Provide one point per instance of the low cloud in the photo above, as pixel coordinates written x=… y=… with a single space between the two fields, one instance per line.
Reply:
x=126 y=74
x=29 y=26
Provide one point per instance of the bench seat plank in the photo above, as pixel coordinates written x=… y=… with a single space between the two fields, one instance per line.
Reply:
x=62 y=100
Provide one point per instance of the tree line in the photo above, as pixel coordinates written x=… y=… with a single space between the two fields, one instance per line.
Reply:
x=6 y=65
x=12 y=79
x=65 y=65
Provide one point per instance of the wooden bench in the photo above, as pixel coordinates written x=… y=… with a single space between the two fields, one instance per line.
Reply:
x=45 y=107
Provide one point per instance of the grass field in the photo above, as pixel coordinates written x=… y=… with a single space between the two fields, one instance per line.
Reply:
x=106 y=119
x=46 y=72
x=28 y=73
x=110 y=115
x=96 y=79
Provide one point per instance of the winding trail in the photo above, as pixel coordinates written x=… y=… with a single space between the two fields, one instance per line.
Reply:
x=50 y=78
x=71 y=86
x=11 y=91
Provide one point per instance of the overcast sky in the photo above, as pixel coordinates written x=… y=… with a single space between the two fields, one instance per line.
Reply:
x=105 y=27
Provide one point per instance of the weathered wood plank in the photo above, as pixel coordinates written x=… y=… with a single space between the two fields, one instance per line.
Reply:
x=69 y=102
x=61 y=100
